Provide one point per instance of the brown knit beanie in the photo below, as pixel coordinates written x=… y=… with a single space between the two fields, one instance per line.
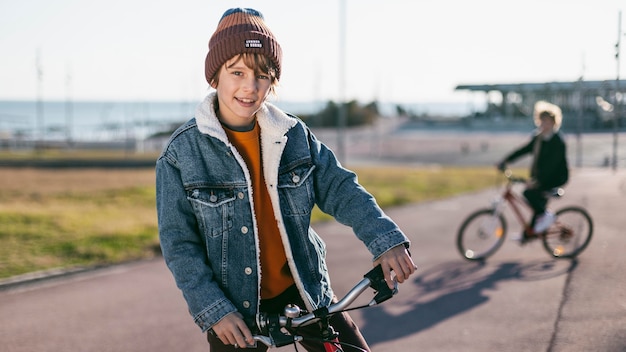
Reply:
x=241 y=31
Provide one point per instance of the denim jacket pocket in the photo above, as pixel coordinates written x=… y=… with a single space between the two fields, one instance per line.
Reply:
x=295 y=187
x=214 y=209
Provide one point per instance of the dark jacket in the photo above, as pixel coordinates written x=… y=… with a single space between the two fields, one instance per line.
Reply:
x=549 y=168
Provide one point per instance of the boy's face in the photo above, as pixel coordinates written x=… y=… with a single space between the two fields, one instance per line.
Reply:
x=240 y=93
x=546 y=123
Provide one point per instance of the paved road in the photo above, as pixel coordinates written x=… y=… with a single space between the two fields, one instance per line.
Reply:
x=520 y=300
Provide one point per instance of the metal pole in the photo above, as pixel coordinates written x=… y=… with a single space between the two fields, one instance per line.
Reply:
x=341 y=122
x=579 y=125
x=39 y=128
x=69 y=118
x=617 y=114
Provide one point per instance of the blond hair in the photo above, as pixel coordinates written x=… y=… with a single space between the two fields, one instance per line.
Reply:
x=544 y=108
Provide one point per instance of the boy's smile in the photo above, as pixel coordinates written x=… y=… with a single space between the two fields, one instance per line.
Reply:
x=240 y=93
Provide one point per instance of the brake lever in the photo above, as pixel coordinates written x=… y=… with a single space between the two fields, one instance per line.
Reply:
x=378 y=283
x=270 y=328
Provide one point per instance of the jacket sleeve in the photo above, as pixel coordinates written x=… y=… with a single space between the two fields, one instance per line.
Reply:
x=523 y=150
x=339 y=194
x=184 y=250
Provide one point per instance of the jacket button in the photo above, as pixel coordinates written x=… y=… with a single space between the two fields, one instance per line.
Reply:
x=240 y=195
x=213 y=198
x=244 y=230
x=295 y=178
x=248 y=270
x=246 y=304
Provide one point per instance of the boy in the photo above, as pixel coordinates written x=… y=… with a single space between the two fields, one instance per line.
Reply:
x=549 y=165
x=235 y=190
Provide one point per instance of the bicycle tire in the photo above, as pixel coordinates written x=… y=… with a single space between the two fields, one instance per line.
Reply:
x=481 y=234
x=570 y=234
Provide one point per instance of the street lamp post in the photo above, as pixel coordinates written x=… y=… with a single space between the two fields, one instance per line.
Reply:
x=39 y=125
x=618 y=95
x=341 y=121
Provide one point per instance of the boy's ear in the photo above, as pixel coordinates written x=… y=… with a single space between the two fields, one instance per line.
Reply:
x=214 y=80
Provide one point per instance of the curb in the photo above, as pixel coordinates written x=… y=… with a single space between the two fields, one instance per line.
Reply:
x=39 y=276
x=58 y=273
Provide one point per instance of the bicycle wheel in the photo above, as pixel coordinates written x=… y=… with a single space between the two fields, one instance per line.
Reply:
x=481 y=234
x=570 y=234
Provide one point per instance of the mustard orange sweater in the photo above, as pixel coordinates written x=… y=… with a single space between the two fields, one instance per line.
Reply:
x=275 y=274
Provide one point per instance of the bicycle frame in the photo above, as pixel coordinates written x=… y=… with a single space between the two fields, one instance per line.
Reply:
x=517 y=202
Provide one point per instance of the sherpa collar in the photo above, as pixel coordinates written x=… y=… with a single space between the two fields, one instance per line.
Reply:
x=271 y=119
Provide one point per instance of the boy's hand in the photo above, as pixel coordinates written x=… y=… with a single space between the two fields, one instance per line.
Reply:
x=398 y=260
x=233 y=331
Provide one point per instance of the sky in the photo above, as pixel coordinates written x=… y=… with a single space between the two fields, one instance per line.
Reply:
x=401 y=51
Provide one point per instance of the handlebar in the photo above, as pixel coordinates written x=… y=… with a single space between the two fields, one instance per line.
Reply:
x=270 y=325
x=509 y=175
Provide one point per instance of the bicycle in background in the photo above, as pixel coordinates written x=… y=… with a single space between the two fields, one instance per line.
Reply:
x=482 y=233
x=277 y=330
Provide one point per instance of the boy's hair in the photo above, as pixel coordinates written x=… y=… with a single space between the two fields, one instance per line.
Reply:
x=542 y=108
x=242 y=31
x=260 y=63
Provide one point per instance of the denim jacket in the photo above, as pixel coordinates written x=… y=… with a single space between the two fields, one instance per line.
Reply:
x=207 y=227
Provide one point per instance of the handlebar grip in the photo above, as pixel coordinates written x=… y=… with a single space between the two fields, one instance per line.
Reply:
x=378 y=283
x=508 y=173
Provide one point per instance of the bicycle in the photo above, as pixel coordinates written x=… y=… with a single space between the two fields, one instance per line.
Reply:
x=483 y=232
x=271 y=329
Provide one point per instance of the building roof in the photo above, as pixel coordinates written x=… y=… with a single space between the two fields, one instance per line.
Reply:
x=544 y=86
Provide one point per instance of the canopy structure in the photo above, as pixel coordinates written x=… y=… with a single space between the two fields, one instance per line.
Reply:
x=590 y=104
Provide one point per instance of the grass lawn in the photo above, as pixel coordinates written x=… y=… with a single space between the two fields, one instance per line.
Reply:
x=61 y=218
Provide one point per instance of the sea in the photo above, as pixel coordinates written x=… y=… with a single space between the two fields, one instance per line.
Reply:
x=101 y=121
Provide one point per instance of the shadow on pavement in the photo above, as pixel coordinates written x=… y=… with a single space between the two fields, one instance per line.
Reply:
x=449 y=289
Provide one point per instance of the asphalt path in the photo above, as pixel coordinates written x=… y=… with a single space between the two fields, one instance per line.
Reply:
x=519 y=300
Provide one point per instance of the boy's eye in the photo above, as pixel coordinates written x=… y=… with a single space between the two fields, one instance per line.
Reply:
x=263 y=77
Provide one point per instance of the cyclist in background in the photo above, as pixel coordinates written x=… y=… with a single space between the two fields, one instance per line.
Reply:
x=549 y=168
